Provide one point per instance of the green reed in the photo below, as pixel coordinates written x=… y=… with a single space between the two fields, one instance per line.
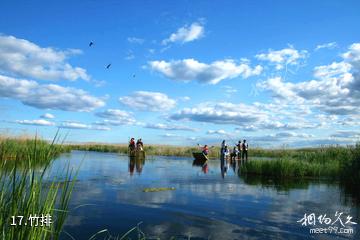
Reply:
x=329 y=162
x=25 y=191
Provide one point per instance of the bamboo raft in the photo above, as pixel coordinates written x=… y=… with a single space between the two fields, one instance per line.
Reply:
x=136 y=153
x=200 y=157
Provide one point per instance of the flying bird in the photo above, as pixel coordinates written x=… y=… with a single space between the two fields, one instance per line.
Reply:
x=108 y=66
x=133 y=75
x=90 y=44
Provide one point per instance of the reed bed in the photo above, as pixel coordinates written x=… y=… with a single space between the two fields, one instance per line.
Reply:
x=330 y=162
x=26 y=192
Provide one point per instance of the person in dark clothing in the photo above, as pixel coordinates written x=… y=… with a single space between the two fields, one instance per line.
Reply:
x=239 y=146
x=132 y=144
x=205 y=150
x=244 y=149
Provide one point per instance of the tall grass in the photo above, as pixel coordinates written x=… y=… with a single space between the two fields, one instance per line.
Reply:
x=330 y=162
x=26 y=192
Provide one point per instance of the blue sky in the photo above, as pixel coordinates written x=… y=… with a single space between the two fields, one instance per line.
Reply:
x=182 y=72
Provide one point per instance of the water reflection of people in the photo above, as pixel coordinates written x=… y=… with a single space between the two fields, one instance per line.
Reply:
x=139 y=163
x=136 y=163
x=204 y=166
x=131 y=165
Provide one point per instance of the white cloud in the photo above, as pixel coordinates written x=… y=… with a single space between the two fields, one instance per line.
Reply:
x=148 y=101
x=286 y=56
x=330 y=45
x=185 y=98
x=78 y=125
x=346 y=134
x=220 y=132
x=19 y=57
x=222 y=113
x=190 y=69
x=36 y=122
x=170 y=135
x=353 y=54
x=334 y=69
x=47 y=116
x=186 y=34
x=352 y=120
x=293 y=135
x=169 y=127
x=48 y=96
x=337 y=95
x=135 y=40
x=115 y=117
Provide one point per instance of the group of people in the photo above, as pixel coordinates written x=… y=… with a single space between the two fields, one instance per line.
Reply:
x=240 y=150
x=138 y=145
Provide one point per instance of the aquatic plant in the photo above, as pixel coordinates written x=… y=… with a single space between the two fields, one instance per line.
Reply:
x=27 y=197
x=158 y=189
x=331 y=162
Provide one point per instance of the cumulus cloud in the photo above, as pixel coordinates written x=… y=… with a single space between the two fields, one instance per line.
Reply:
x=276 y=125
x=346 y=134
x=78 y=125
x=336 y=93
x=351 y=120
x=170 y=135
x=190 y=69
x=281 y=137
x=335 y=69
x=148 y=101
x=48 y=96
x=186 y=34
x=36 y=122
x=169 y=127
x=336 y=89
x=222 y=113
x=22 y=58
x=286 y=56
x=292 y=135
x=47 y=116
x=115 y=117
x=330 y=45
x=220 y=132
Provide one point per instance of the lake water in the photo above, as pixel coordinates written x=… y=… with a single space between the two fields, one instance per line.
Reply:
x=207 y=203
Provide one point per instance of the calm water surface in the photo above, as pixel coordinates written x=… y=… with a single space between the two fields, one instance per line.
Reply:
x=207 y=204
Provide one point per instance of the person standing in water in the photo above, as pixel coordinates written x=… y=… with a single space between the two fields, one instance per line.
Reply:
x=205 y=150
x=239 y=146
x=244 y=149
x=132 y=144
x=223 y=144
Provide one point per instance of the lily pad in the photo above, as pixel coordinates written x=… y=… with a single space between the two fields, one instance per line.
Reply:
x=158 y=189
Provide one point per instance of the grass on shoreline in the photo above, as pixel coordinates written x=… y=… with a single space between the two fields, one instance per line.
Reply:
x=333 y=162
x=25 y=192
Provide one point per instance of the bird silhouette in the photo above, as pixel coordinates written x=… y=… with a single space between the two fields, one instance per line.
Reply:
x=133 y=75
x=108 y=66
x=90 y=44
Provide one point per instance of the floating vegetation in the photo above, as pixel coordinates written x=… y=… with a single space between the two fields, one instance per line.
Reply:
x=159 y=189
